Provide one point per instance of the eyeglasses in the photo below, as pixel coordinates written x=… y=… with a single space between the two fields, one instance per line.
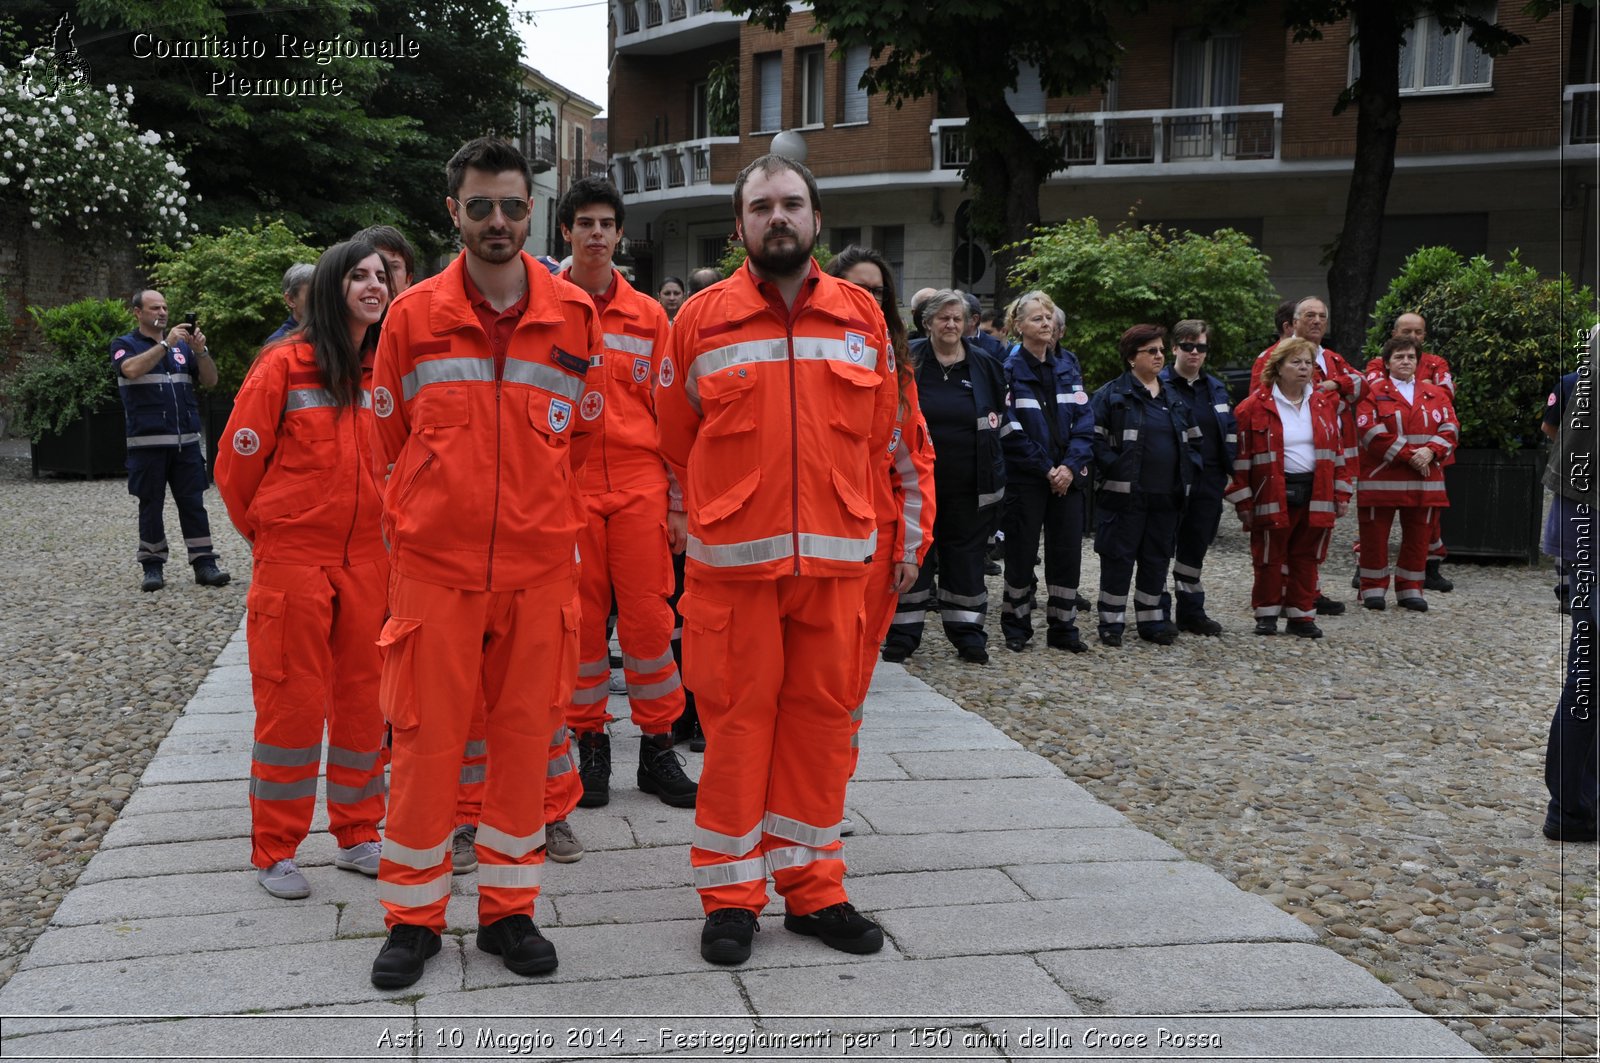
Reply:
x=478 y=208
x=875 y=289
x=1151 y=350
x=1193 y=348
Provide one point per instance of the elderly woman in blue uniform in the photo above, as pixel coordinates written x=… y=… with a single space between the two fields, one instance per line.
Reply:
x=1048 y=454
x=1147 y=449
x=1208 y=402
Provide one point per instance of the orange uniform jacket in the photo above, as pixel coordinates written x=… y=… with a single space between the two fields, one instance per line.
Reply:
x=904 y=496
x=626 y=454
x=773 y=422
x=1391 y=431
x=458 y=511
x=295 y=470
x=1258 y=491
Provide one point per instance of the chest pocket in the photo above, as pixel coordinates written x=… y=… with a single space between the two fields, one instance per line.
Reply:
x=851 y=397
x=728 y=402
x=441 y=408
x=308 y=440
x=551 y=416
x=629 y=370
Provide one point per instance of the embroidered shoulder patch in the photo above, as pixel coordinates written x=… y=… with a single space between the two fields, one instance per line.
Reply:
x=570 y=362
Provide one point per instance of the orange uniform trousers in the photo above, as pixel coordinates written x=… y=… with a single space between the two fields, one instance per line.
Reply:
x=443 y=646
x=623 y=551
x=775 y=665
x=877 y=615
x=562 y=788
x=314 y=661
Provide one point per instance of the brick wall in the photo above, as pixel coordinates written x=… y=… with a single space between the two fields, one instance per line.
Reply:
x=652 y=96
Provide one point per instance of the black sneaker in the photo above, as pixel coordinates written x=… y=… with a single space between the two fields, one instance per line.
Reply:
x=1374 y=603
x=1110 y=638
x=1266 y=625
x=661 y=772
x=1416 y=605
x=401 y=959
x=1558 y=830
x=992 y=568
x=840 y=927
x=518 y=943
x=894 y=654
x=1306 y=629
x=594 y=768
x=1070 y=641
x=1434 y=580
x=725 y=938
x=1162 y=635
x=1200 y=625
x=1328 y=607
x=973 y=654
x=1016 y=645
x=207 y=574
x=153 y=580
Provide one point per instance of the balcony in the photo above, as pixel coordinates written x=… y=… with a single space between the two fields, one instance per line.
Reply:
x=1197 y=139
x=1580 y=115
x=544 y=154
x=683 y=170
x=662 y=27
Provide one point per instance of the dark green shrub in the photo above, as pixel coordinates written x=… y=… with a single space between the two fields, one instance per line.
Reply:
x=69 y=373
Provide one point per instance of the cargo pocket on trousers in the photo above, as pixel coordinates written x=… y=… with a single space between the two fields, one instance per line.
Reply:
x=397 y=690
x=264 y=631
x=707 y=626
x=571 y=623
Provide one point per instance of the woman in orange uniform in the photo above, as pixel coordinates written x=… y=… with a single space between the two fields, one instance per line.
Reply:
x=295 y=470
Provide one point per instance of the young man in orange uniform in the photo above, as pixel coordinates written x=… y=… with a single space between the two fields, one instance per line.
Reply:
x=625 y=542
x=480 y=373
x=776 y=403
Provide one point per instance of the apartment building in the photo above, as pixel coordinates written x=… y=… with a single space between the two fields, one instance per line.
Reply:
x=1203 y=128
x=556 y=136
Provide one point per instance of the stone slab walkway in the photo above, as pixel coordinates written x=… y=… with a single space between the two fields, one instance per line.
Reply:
x=1025 y=920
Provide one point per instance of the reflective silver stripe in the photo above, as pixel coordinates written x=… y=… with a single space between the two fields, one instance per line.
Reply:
x=558 y=766
x=855 y=740
x=590 y=669
x=1009 y=427
x=1061 y=592
x=1439 y=441
x=991 y=498
x=1121 y=487
x=1192 y=432
x=646 y=691
x=446 y=371
x=1402 y=593
x=1372 y=573
x=749 y=352
x=1241 y=464
x=1235 y=497
x=590 y=695
x=545 y=377
x=352 y=758
x=1023 y=404
x=1394 y=449
x=283 y=791
x=1117 y=617
x=1374 y=592
x=164 y=441
x=631 y=344
x=1146 y=615
x=1403 y=485
x=1010 y=608
x=1268 y=509
x=914 y=617
x=912 y=499
x=1187 y=586
x=726 y=844
x=798 y=856
x=1100 y=430
x=473 y=773
x=971 y=601
x=475 y=747
x=639 y=664
x=798 y=831
x=1299 y=614
x=1325 y=455
x=562 y=734
x=1060 y=614
x=1323 y=507
x=858 y=714
x=756 y=551
x=960 y=616
x=1063 y=396
x=308 y=399
x=508 y=876
x=838 y=547
x=1419 y=437
x=350 y=795
x=1372 y=433
x=1107 y=598
x=420 y=859
x=1017 y=592
x=512 y=845
x=1130 y=434
x=1141 y=598
x=916 y=597
x=282 y=757
x=199 y=540
x=983 y=424
x=1266 y=457
x=1220 y=407
x=1180 y=569
x=366 y=399
x=1269 y=610
x=154 y=378
x=824 y=349
x=1231 y=438
x=751 y=870
x=413 y=896
x=1405 y=573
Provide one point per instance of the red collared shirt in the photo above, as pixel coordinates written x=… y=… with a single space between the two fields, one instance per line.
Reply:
x=498 y=324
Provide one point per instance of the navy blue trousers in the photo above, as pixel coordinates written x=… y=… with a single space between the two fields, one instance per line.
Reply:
x=151 y=470
x=1142 y=536
x=1196 y=529
x=1031 y=507
x=1571 y=753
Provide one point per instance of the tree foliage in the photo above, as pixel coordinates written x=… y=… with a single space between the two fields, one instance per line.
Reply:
x=1107 y=282
x=69 y=374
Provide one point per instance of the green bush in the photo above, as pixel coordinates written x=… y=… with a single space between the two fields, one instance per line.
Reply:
x=69 y=374
x=1508 y=335
x=1106 y=282
x=1426 y=267
x=733 y=256
x=233 y=280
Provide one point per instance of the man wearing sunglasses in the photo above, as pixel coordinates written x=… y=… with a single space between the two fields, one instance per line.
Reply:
x=481 y=375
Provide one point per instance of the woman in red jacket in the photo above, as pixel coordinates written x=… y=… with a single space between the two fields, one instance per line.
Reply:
x=295 y=470
x=1289 y=484
x=1406 y=428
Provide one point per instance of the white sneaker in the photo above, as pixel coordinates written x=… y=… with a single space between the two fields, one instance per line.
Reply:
x=847 y=826
x=618 y=684
x=362 y=857
x=284 y=881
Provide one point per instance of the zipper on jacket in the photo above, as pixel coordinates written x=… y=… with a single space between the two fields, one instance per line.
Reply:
x=355 y=510
x=794 y=443
x=494 y=513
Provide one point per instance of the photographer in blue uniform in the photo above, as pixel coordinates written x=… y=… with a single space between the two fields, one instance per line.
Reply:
x=156 y=369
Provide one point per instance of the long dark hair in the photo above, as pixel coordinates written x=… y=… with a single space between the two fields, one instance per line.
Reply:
x=326 y=327
x=853 y=256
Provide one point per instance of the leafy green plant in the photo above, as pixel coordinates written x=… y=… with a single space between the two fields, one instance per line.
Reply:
x=233 y=281
x=68 y=374
x=1426 y=267
x=1106 y=282
x=722 y=98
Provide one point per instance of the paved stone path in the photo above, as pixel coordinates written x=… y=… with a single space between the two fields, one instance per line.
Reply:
x=1025 y=920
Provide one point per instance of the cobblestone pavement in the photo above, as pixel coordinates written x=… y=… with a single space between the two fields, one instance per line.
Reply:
x=1383 y=785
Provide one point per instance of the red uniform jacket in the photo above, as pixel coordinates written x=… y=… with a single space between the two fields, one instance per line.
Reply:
x=904 y=496
x=295 y=470
x=483 y=494
x=1392 y=430
x=1431 y=369
x=776 y=423
x=1257 y=490
x=1351 y=385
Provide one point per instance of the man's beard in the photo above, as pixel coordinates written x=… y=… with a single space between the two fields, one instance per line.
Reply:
x=478 y=245
x=785 y=261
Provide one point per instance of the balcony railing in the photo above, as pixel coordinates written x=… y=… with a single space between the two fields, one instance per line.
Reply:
x=1581 y=115
x=1175 y=136
x=639 y=22
x=544 y=151
x=682 y=165
x=598 y=168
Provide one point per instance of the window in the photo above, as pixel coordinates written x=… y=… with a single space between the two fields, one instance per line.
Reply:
x=810 y=62
x=769 y=93
x=699 y=121
x=577 y=144
x=1028 y=96
x=711 y=250
x=850 y=90
x=892 y=246
x=1432 y=60
x=1205 y=70
x=839 y=239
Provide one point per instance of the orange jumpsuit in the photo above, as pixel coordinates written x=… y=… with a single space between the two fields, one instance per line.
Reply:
x=624 y=544
x=295 y=472
x=775 y=421
x=477 y=413
x=1431 y=369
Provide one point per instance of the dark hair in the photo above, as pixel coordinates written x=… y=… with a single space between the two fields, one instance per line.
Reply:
x=703 y=278
x=388 y=238
x=1284 y=314
x=671 y=280
x=853 y=256
x=1399 y=343
x=488 y=154
x=770 y=164
x=1188 y=329
x=1136 y=337
x=587 y=191
x=326 y=328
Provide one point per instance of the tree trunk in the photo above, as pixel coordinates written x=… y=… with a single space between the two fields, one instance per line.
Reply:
x=1355 y=263
x=1007 y=168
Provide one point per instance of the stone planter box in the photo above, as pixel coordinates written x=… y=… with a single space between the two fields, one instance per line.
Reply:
x=92 y=446
x=1496 y=500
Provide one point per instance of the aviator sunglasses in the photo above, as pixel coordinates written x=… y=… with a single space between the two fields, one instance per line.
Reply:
x=478 y=208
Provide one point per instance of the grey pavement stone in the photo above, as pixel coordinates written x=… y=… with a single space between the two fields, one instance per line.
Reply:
x=878 y=767
x=876 y=854
x=1226 y=977
x=181 y=935
x=651 y=826
x=881 y=740
x=198 y=743
x=218 y=702
x=1104 y=922
x=889 y=678
x=171 y=858
x=931 y=889
x=626 y=906
x=976 y=764
x=935 y=807
x=156 y=828
x=212 y=722
x=363 y=917
x=186 y=797
x=604 y=828
x=632 y=869
x=311 y=1033
x=118 y=900
x=1168 y=880
x=905 y=995
x=198 y=768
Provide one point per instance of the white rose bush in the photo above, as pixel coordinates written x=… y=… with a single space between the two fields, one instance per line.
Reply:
x=72 y=159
